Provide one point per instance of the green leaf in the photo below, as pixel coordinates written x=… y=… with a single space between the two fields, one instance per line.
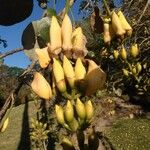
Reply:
x=35 y=35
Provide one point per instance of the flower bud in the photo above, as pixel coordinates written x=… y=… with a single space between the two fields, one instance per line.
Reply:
x=69 y=71
x=125 y=72
x=134 y=71
x=134 y=50
x=139 y=67
x=123 y=53
x=69 y=112
x=116 y=54
x=80 y=109
x=59 y=114
x=41 y=87
x=59 y=75
x=67 y=144
x=89 y=110
x=43 y=56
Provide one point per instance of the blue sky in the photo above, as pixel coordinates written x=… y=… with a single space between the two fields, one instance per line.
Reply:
x=13 y=33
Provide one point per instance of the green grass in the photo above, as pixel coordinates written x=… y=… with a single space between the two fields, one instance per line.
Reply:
x=130 y=134
x=11 y=138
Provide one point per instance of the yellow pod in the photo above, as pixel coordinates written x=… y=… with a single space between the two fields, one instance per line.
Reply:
x=80 y=70
x=55 y=36
x=80 y=109
x=95 y=78
x=89 y=110
x=125 y=72
x=43 y=56
x=41 y=87
x=5 y=125
x=116 y=54
x=59 y=75
x=59 y=114
x=69 y=71
x=116 y=24
x=69 y=111
x=79 y=43
x=66 y=31
x=123 y=53
x=134 y=50
x=125 y=25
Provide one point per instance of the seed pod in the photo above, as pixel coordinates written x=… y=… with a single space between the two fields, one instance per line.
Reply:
x=79 y=42
x=139 y=67
x=116 y=24
x=134 y=50
x=66 y=31
x=69 y=112
x=89 y=110
x=116 y=54
x=80 y=109
x=55 y=36
x=41 y=87
x=123 y=53
x=95 y=78
x=67 y=144
x=5 y=125
x=125 y=72
x=125 y=25
x=80 y=71
x=43 y=57
x=59 y=75
x=59 y=114
x=69 y=71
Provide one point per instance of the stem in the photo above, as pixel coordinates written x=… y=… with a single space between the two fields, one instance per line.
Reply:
x=107 y=7
x=44 y=146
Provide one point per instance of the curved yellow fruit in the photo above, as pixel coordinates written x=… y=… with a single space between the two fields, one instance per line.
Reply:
x=123 y=53
x=55 y=36
x=116 y=24
x=80 y=70
x=95 y=78
x=66 y=31
x=89 y=110
x=41 y=87
x=69 y=71
x=80 y=109
x=5 y=125
x=59 y=114
x=79 y=43
x=134 y=50
x=59 y=75
x=69 y=111
x=125 y=25
x=43 y=56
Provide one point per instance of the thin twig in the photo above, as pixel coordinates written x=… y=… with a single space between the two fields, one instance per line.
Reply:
x=11 y=52
x=146 y=6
